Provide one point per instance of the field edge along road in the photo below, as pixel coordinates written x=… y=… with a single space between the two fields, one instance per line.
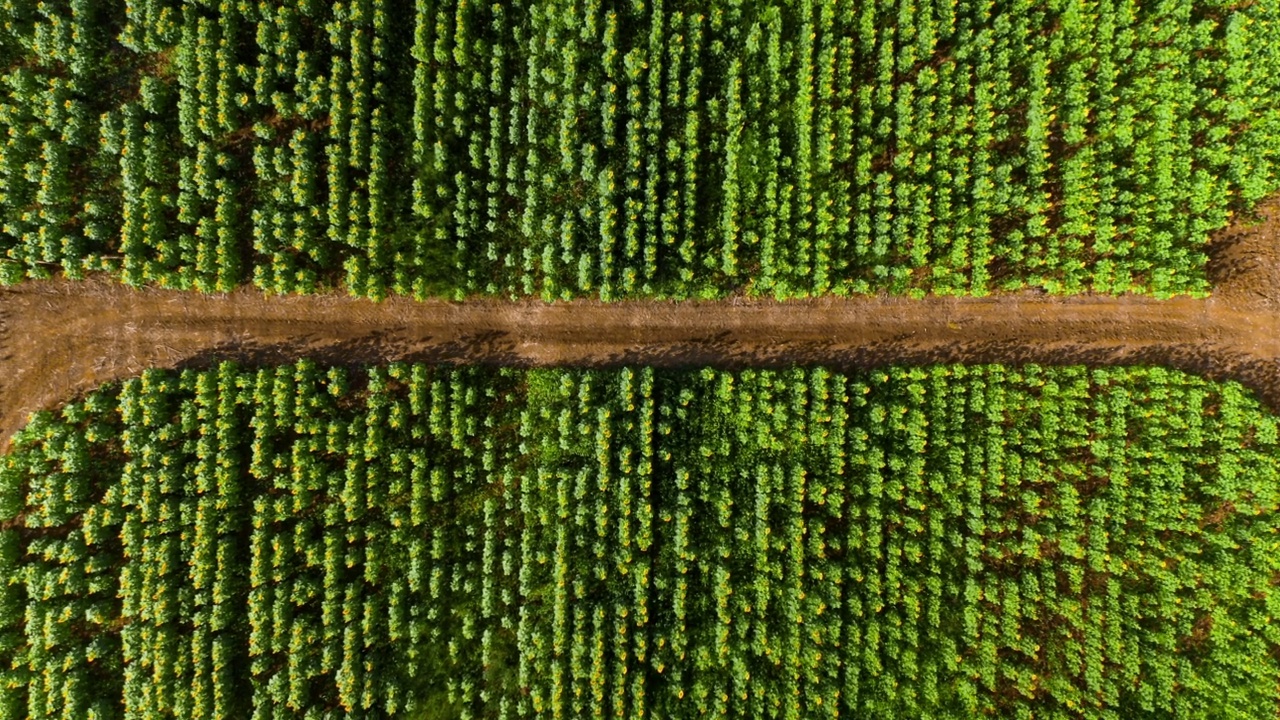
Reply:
x=60 y=338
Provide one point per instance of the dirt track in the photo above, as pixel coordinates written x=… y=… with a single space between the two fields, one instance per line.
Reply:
x=62 y=338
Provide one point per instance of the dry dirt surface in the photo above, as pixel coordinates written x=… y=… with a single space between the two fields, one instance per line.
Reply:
x=59 y=339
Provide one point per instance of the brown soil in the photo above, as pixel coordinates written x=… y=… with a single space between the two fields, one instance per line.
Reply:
x=63 y=338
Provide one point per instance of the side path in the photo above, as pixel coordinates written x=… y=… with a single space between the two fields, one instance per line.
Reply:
x=62 y=338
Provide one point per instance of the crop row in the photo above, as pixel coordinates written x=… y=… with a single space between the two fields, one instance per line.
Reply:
x=569 y=148
x=940 y=542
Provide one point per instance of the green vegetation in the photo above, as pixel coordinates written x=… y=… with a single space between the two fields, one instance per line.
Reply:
x=560 y=148
x=941 y=542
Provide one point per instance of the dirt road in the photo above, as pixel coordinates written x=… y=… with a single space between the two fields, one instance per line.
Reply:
x=63 y=338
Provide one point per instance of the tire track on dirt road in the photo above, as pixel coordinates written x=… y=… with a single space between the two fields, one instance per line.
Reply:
x=60 y=338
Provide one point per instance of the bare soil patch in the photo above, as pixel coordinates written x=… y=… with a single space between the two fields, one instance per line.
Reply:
x=62 y=338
